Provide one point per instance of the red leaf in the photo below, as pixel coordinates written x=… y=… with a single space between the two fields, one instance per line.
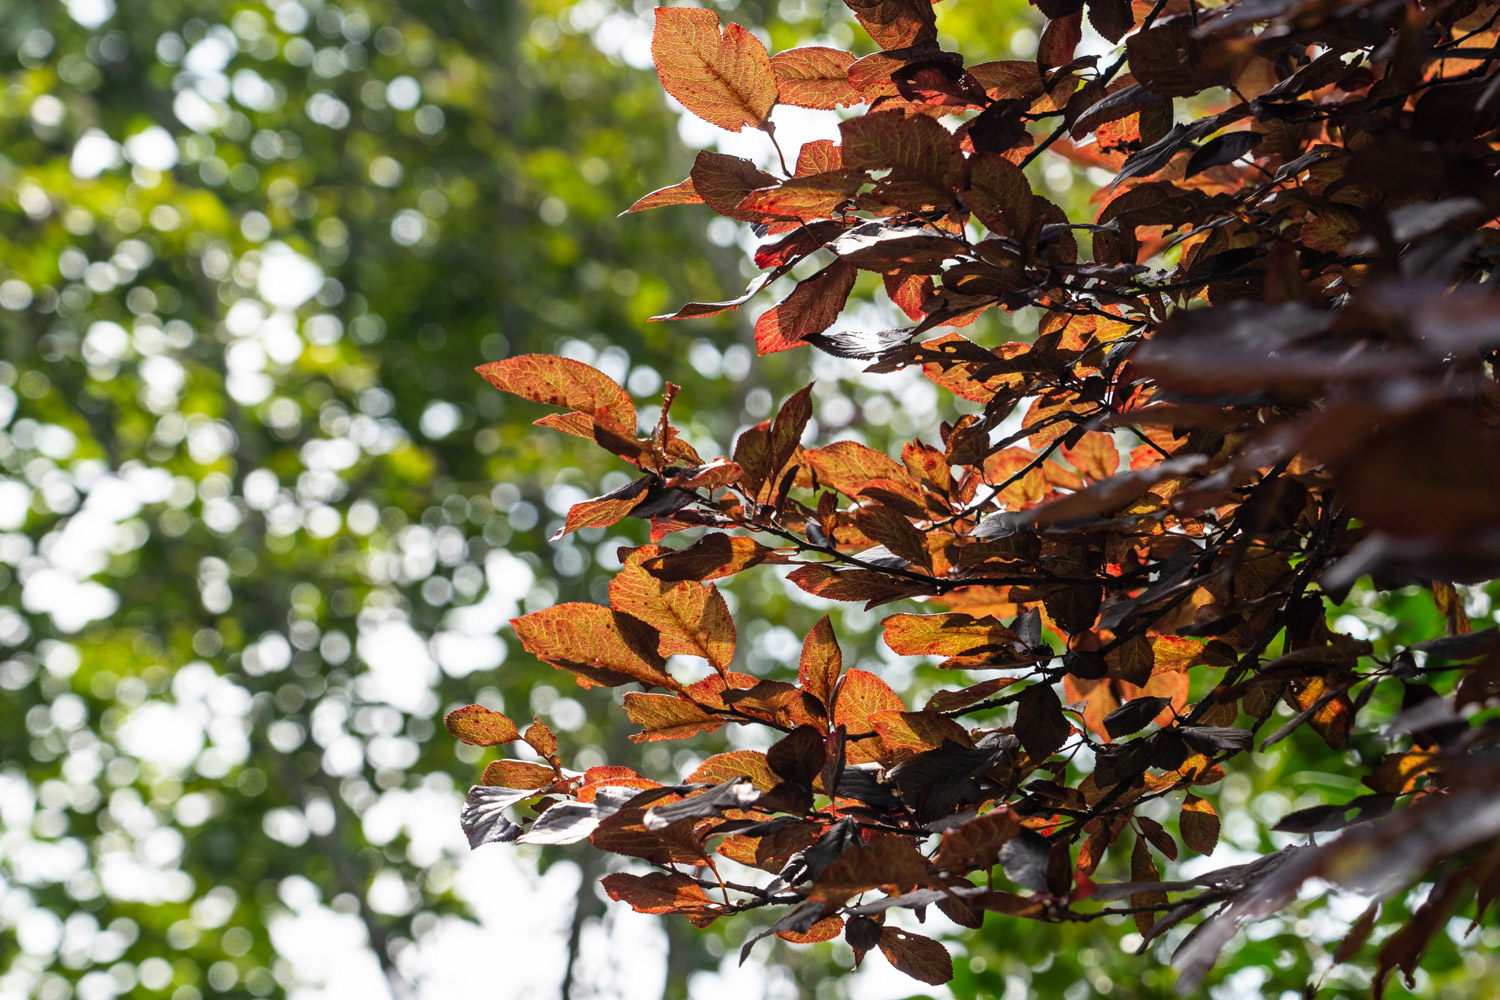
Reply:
x=480 y=727
x=724 y=181
x=724 y=79
x=586 y=640
x=872 y=587
x=814 y=76
x=977 y=843
x=924 y=158
x=678 y=194
x=543 y=378
x=896 y=24
x=896 y=533
x=811 y=308
x=999 y=194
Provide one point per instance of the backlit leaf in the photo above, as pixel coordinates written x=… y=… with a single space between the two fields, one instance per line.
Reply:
x=814 y=76
x=480 y=727
x=724 y=79
x=691 y=618
x=587 y=640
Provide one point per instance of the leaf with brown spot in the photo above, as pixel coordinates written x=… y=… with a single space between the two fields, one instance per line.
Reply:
x=540 y=738
x=480 y=727
x=518 y=774
x=920 y=957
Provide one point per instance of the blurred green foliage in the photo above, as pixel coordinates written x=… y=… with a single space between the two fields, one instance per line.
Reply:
x=260 y=526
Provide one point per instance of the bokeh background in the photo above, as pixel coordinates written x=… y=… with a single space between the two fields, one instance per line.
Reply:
x=261 y=525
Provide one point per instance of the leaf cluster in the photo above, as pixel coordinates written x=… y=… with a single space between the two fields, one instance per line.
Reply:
x=1263 y=370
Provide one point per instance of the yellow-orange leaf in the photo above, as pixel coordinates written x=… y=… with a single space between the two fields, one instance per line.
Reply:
x=822 y=662
x=737 y=763
x=667 y=717
x=543 y=378
x=586 y=640
x=918 y=730
x=815 y=76
x=692 y=619
x=518 y=774
x=859 y=697
x=480 y=727
x=725 y=79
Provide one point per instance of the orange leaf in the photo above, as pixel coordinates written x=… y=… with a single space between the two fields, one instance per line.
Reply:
x=681 y=193
x=918 y=730
x=724 y=79
x=814 y=76
x=540 y=738
x=692 y=619
x=1095 y=455
x=859 y=697
x=724 y=767
x=824 y=930
x=518 y=774
x=480 y=727
x=605 y=510
x=667 y=717
x=543 y=378
x=709 y=558
x=818 y=156
x=822 y=662
x=920 y=153
x=659 y=892
x=951 y=635
x=815 y=196
x=586 y=639
x=849 y=467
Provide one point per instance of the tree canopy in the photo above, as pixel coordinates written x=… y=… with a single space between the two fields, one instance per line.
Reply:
x=1193 y=425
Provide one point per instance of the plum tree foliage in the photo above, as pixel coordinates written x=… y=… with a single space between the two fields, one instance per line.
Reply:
x=1262 y=372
